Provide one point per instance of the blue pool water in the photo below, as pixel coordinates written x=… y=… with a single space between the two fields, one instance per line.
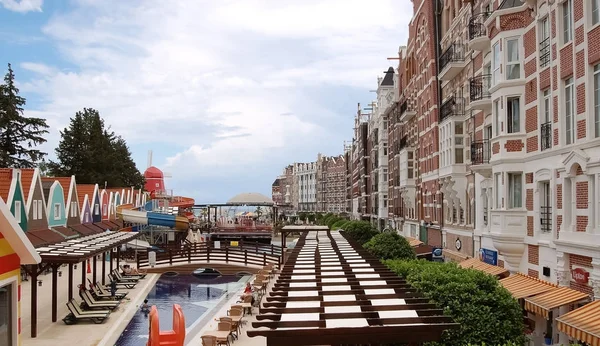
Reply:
x=196 y=296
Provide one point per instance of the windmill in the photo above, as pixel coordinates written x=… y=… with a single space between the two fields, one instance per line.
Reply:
x=165 y=174
x=155 y=177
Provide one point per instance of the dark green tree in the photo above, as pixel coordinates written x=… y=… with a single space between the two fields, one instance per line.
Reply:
x=360 y=231
x=95 y=154
x=20 y=136
x=387 y=246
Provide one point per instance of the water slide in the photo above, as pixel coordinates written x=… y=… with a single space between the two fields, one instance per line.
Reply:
x=128 y=214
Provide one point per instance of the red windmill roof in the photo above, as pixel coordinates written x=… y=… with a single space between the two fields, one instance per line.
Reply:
x=153 y=172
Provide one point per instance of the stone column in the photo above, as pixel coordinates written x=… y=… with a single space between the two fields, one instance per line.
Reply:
x=595 y=277
x=591 y=226
x=562 y=269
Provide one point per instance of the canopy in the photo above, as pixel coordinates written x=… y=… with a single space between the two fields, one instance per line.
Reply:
x=475 y=263
x=582 y=324
x=523 y=286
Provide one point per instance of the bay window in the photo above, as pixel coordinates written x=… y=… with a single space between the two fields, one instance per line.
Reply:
x=515 y=187
x=496 y=61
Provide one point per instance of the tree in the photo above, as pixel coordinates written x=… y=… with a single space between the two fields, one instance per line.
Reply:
x=95 y=154
x=387 y=246
x=360 y=231
x=486 y=311
x=20 y=136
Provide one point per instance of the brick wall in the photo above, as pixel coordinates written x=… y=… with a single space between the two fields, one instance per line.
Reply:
x=533 y=254
x=530 y=226
x=533 y=273
x=580 y=261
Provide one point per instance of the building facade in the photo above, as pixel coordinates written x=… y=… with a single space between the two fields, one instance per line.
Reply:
x=331 y=184
x=361 y=168
x=305 y=176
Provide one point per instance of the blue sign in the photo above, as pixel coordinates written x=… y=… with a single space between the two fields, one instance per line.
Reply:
x=436 y=254
x=488 y=256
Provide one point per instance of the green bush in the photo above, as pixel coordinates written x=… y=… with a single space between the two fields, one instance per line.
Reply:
x=360 y=231
x=338 y=224
x=487 y=312
x=387 y=246
x=333 y=220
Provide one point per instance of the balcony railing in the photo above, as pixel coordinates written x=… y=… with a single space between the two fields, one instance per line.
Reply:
x=545 y=52
x=454 y=53
x=480 y=152
x=476 y=26
x=546 y=218
x=479 y=87
x=546 y=135
x=454 y=106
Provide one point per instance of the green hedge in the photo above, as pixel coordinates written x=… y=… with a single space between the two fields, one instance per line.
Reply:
x=360 y=231
x=387 y=246
x=487 y=312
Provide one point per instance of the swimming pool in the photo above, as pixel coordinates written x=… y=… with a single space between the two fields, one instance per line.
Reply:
x=197 y=297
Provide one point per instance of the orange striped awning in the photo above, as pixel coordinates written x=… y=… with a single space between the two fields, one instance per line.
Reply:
x=543 y=303
x=582 y=324
x=413 y=241
x=523 y=286
x=476 y=264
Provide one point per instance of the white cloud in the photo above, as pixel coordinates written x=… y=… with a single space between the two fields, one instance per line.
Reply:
x=22 y=5
x=216 y=77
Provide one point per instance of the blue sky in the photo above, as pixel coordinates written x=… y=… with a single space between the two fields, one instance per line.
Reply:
x=225 y=93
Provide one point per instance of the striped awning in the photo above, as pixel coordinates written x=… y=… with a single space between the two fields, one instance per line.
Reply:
x=523 y=286
x=543 y=303
x=413 y=241
x=582 y=324
x=476 y=264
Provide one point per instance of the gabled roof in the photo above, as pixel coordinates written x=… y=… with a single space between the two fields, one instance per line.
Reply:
x=85 y=189
x=510 y=4
x=26 y=181
x=5 y=181
x=65 y=182
x=10 y=229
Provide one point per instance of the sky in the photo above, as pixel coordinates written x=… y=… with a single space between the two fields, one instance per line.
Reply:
x=225 y=93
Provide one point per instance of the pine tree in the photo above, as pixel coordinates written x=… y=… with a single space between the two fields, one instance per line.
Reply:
x=20 y=136
x=95 y=154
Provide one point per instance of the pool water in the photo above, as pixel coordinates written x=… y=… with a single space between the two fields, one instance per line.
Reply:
x=197 y=296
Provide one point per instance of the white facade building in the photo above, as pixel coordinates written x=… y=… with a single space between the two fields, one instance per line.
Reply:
x=306 y=176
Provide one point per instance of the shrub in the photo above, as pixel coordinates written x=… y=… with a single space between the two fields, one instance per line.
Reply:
x=338 y=224
x=360 y=231
x=389 y=245
x=487 y=312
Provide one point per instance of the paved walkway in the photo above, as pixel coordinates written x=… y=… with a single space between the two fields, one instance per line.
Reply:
x=84 y=333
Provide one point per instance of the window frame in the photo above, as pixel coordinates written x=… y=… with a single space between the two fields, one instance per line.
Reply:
x=17 y=214
x=516 y=62
x=546 y=106
x=595 y=12
x=569 y=89
x=567 y=23
x=40 y=210
x=57 y=212
x=512 y=198
x=496 y=60
x=35 y=210
x=497 y=121
x=509 y=113
x=596 y=98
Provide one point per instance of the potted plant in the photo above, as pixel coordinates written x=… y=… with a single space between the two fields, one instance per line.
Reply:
x=548 y=339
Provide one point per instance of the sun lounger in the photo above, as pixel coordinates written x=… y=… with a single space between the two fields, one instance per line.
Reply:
x=126 y=284
x=99 y=295
x=82 y=311
x=103 y=288
x=121 y=278
x=74 y=316
x=94 y=304
x=139 y=276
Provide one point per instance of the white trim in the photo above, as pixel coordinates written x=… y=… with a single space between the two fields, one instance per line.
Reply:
x=14 y=281
x=57 y=212
x=16 y=236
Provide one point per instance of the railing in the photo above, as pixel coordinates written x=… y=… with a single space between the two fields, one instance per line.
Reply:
x=480 y=152
x=479 y=87
x=454 y=106
x=546 y=218
x=546 y=135
x=246 y=253
x=476 y=26
x=545 y=52
x=454 y=53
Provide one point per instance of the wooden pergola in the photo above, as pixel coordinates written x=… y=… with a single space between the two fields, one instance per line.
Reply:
x=332 y=292
x=300 y=228
x=71 y=252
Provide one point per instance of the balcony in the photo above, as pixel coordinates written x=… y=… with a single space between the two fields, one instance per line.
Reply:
x=480 y=157
x=545 y=53
x=546 y=135
x=508 y=231
x=406 y=111
x=479 y=92
x=478 y=38
x=452 y=62
x=454 y=106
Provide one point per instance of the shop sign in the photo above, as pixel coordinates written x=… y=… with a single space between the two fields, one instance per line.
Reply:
x=580 y=275
x=488 y=256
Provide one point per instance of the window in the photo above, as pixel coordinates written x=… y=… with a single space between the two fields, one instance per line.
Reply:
x=74 y=209
x=96 y=209
x=514 y=190
x=498 y=189
x=17 y=212
x=595 y=12
x=496 y=60
x=545 y=207
x=56 y=211
x=569 y=112
x=40 y=210
x=513 y=115
x=497 y=117
x=544 y=43
x=35 y=210
x=567 y=21
x=513 y=65
x=597 y=99
x=546 y=106
x=6 y=315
